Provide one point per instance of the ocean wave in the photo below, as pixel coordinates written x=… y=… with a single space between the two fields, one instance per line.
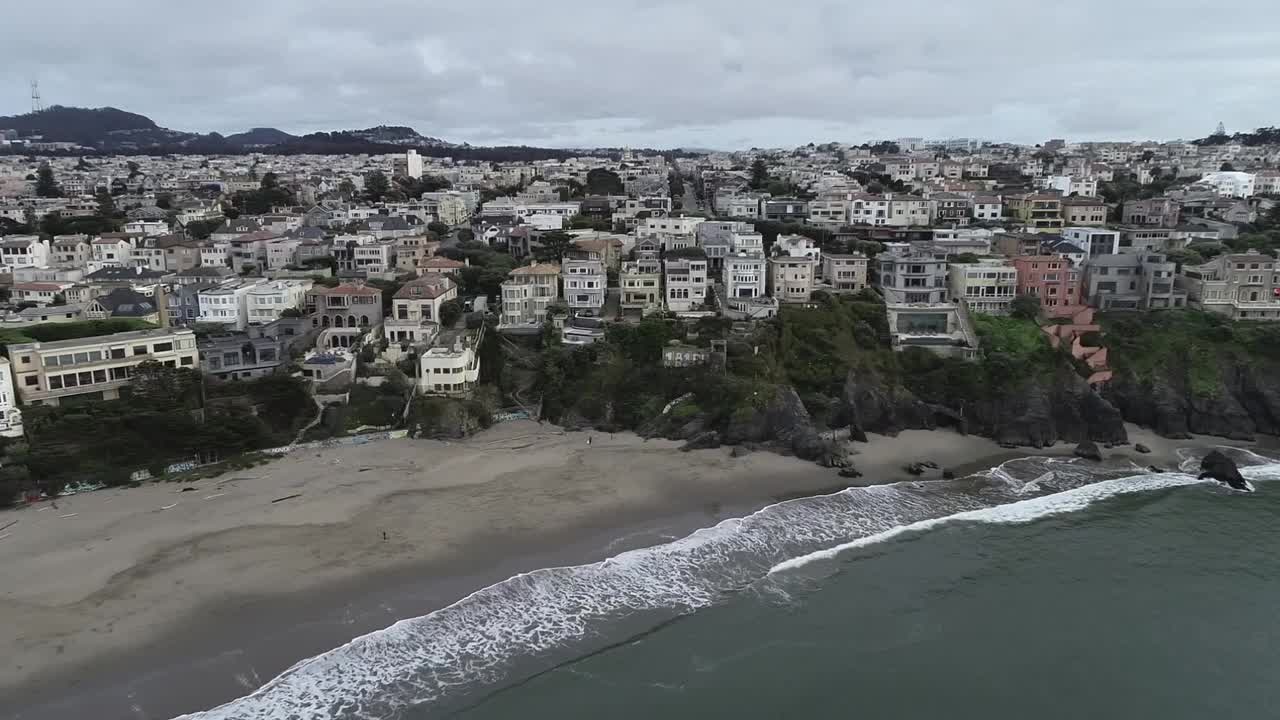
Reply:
x=549 y=615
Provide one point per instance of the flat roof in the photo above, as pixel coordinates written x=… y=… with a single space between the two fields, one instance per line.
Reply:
x=129 y=336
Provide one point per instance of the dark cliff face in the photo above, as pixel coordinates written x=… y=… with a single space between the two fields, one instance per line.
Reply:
x=1242 y=401
x=1061 y=408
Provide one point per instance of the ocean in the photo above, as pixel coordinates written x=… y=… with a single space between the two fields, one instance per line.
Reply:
x=1043 y=588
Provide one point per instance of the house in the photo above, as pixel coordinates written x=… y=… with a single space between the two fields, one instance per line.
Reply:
x=23 y=251
x=255 y=353
x=988 y=209
x=796 y=246
x=267 y=301
x=1064 y=249
x=745 y=277
x=1241 y=286
x=916 y=275
x=913 y=281
x=672 y=232
x=227 y=304
x=1084 y=212
x=1156 y=212
x=1038 y=212
x=908 y=211
x=166 y=252
x=111 y=250
x=843 y=273
x=248 y=252
x=1094 y=241
x=98 y=367
x=451 y=366
x=582 y=330
x=784 y=209
x=1133 y=281
x=951 y=208
x=1011 y=244
x=281 y=253
x=584 y=286
x=834 y=213
x=415 y=309
x=40 y=293
x=126 y=303
x=349 y=305
x=216 y=254
x=202 y=274
x=71 y=250
x=686 y=282
x=1150 y=239
x=413 y=249
x=1071 y=185
x=987 y=286
x=1229 y=184
x=792 y=278
x=10 y=415
x=1052 y=279
x=641 y=284
x=527 y=294
x=232 y=229
x=147 y=228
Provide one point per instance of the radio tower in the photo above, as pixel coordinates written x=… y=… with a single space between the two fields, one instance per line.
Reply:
x=36 y=104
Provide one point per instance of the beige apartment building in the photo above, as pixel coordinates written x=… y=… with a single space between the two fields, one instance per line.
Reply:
x=45 y=373
x=987 y=286
x=844 y=273
x=1244 y=286
x=527 y=294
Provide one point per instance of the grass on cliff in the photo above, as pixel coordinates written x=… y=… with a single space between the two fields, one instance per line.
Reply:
x=1188 y=344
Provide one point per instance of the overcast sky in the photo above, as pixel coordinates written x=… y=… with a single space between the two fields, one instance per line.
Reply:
x=651 y=73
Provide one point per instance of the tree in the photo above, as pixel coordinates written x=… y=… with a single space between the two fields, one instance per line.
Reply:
x=450 y=313
x=1025 y=307
x=601 y=181
x=292 y=312
x=58 y=300
x=133 y=169
x=164 y=201
x=376 y=185
x=466 y=235
x=346 y=188
x=553 y=246
x=759 y=174
x=106 y=204
x=439 y=228
x=1227 y=167
x=46 y=184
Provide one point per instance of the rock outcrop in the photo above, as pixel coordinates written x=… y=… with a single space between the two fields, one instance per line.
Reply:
x=1038 y=413
x=1218 y=466
x=1088 y=450
x=786 y=423
x=1241 y=402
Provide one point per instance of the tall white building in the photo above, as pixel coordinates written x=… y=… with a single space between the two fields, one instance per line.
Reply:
x=10 y=415
x=584 y=285
x=227 y=305
x=687 y=283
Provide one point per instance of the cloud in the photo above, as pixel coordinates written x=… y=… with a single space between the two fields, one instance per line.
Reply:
x=654 y=73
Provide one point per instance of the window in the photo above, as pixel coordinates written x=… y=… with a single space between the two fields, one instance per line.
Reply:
x=55 y=383
x=99 y=376
x=139 y=350
x=32 y=381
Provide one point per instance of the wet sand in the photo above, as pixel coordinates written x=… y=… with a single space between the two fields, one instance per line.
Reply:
x=150 y=602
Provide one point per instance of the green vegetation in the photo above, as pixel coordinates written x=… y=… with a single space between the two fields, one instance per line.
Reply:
x=159 y=421
x=602 y=181
x=269 y=194
x=1187 y=344
x=46 y=184
x=486 y=268
x=49 y=332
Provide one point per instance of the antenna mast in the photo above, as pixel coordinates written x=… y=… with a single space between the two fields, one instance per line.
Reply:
x=36 y=104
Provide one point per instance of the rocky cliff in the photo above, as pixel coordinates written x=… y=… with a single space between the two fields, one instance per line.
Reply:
x=1036 y=413
x=1237 y=400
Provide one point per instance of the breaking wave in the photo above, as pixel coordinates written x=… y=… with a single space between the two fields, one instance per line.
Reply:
x=549 y=616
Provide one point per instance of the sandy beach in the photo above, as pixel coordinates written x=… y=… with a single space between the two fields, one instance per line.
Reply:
x=149 y=602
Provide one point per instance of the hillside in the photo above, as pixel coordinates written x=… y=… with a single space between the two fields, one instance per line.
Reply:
x=81 y=125
x=260 y=137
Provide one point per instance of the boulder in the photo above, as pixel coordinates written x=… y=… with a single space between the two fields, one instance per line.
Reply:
x=1089 y=451
x=1156 y=469
x=703 y=441
x=1142 y=449
x=848 y=471
x=1218 y=466
x=914 y=469
x=948 y=475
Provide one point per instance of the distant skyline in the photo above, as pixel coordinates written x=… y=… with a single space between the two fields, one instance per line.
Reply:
x=720 y=74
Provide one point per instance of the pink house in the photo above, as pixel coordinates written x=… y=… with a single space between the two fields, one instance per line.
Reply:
x=1054 y=280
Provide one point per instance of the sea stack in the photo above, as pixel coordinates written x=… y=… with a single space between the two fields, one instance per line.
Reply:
x=1218 y=466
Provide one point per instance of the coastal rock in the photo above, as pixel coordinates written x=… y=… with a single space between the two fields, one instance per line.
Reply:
x=1240 y=401
x=1218 y=466
x=870 y=403
x=703 y=441
x=850 y=472
x=914 y=469
x=948 y=475
x=1089 y=451
x=1142 y=449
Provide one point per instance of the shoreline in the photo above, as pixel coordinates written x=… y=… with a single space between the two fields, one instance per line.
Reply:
x=268 y=594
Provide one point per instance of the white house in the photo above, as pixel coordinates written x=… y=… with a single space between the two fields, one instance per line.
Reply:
x=267 y=300
x=584 y=285
x=987 y=208
x=226 y=305
x=792 y=278
x=687 y=283
x=451 y=366
x=150 y=228
x=23 y=251
x=1230 y=184
x=1071 y=185
x=216 y=254
x=10 y=415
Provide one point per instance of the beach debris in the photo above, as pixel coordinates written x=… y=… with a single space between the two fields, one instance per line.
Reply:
x=216 y=495
x=850 y=472
x=287 y=497
x=187 y=489
x=68 y=515
x=914 y=469
x=1088 y=450
x=1156 y=469
x=9 y=525
x=169 y=507
x=1142 y=448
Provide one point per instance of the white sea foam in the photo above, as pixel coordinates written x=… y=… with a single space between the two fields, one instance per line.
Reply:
x=551 y=614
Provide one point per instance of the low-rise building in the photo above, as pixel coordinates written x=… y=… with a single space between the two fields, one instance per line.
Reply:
x=267 y=301
x=1094 y=241
x=349 y=305
x=227 y=304
x=641 y=285
x=527 y=294
x=1050 y=278
x=415 y=309
x=1155 y=212
x=843 y=273
x=46 y=373
x=792 y=279
x=1133 y=281
x=585 y=284
x=1037 y=212
x=23 y=251
x=1084 y=212
x=988 y=209
x=451 y=366
x=687 y=283
x=1242 y=286
x=987 y=286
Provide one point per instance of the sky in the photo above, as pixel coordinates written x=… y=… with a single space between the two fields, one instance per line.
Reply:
x=720 y=74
